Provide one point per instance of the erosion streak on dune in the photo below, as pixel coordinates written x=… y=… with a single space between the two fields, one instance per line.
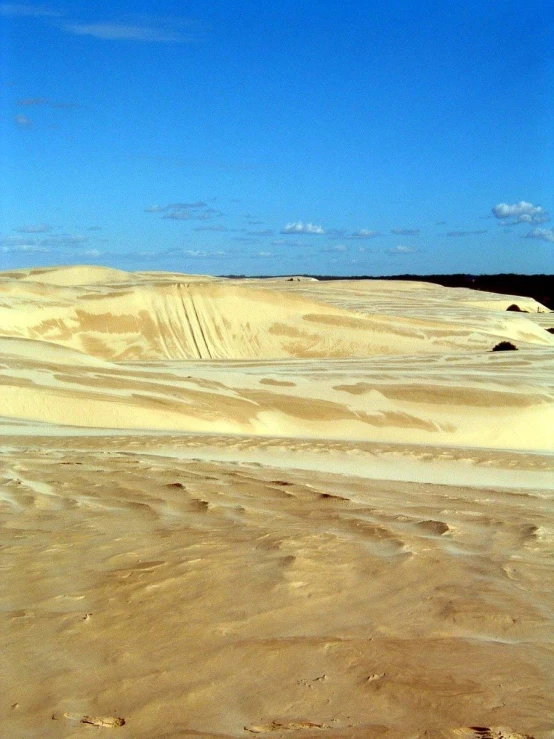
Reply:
x=232 y=508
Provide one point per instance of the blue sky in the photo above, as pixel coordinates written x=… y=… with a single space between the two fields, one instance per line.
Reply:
x=269 y=138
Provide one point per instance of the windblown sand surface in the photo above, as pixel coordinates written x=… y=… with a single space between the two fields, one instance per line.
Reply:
x=294 y=508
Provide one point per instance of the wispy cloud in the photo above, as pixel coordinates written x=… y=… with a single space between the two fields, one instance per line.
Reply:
x=340 y=248
x=405 y=231
x=248 y=239
x=543 y=234
x=400 y=249
x=22 y=121
x=38 y=101
x=196 y=211
x=149 y=29
x=363 y=233
x=288 y=242
x=165 y=32
x=65 y=240
x=9 y=241
x=31 y=11
x=55 y=241
x=178 y=215
x=33 y=101
x=217 y=227
x=302 y=228
x=187 y=206
x=522 y=212
x=456 y=234
x=39 y=228
x=202 y=254
x=23 y=248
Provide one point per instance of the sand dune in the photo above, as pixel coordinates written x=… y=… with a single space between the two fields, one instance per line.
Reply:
x=286 y=507
x=128 y=318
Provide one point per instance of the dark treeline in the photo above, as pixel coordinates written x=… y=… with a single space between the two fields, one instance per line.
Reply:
x=540 y=287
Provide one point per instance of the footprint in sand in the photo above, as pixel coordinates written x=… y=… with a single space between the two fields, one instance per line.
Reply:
x=106 y=722
x=284 y=726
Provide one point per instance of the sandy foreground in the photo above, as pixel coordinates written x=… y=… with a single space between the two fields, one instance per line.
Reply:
x=303 y=509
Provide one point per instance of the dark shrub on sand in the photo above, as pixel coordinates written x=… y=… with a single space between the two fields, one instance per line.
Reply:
x=504 y=346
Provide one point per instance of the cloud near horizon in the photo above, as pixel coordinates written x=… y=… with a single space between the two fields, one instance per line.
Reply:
x=302 y=228
x=402 y=250
x=218 y=228
x=40 y=228
x=405 y=231
x=288 y=242
x=543 y=234
x=522 y=212
x=363 y=233
x=457 y=234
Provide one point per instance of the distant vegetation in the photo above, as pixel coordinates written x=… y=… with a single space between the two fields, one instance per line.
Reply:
x=504 y=346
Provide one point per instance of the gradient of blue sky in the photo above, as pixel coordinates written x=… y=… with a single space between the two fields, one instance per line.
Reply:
x=189 y=136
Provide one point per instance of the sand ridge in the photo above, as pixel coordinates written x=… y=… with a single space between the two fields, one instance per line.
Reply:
x=232 y=508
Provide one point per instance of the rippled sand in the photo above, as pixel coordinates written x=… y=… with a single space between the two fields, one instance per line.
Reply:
x=273 y=507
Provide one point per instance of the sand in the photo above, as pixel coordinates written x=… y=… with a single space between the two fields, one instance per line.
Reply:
x=285 y=507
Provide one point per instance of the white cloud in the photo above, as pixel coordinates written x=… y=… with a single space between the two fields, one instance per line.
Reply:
x=40 y=228
x=338 y=248
x=521 y=212
x=124 y=32
x=302 y=228
x=363 y=233
x=154 y=209
x=22 y=121
x=265 y=254
x=543 y=234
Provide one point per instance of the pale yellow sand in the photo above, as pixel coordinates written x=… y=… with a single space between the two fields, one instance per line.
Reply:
x=302 y=509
